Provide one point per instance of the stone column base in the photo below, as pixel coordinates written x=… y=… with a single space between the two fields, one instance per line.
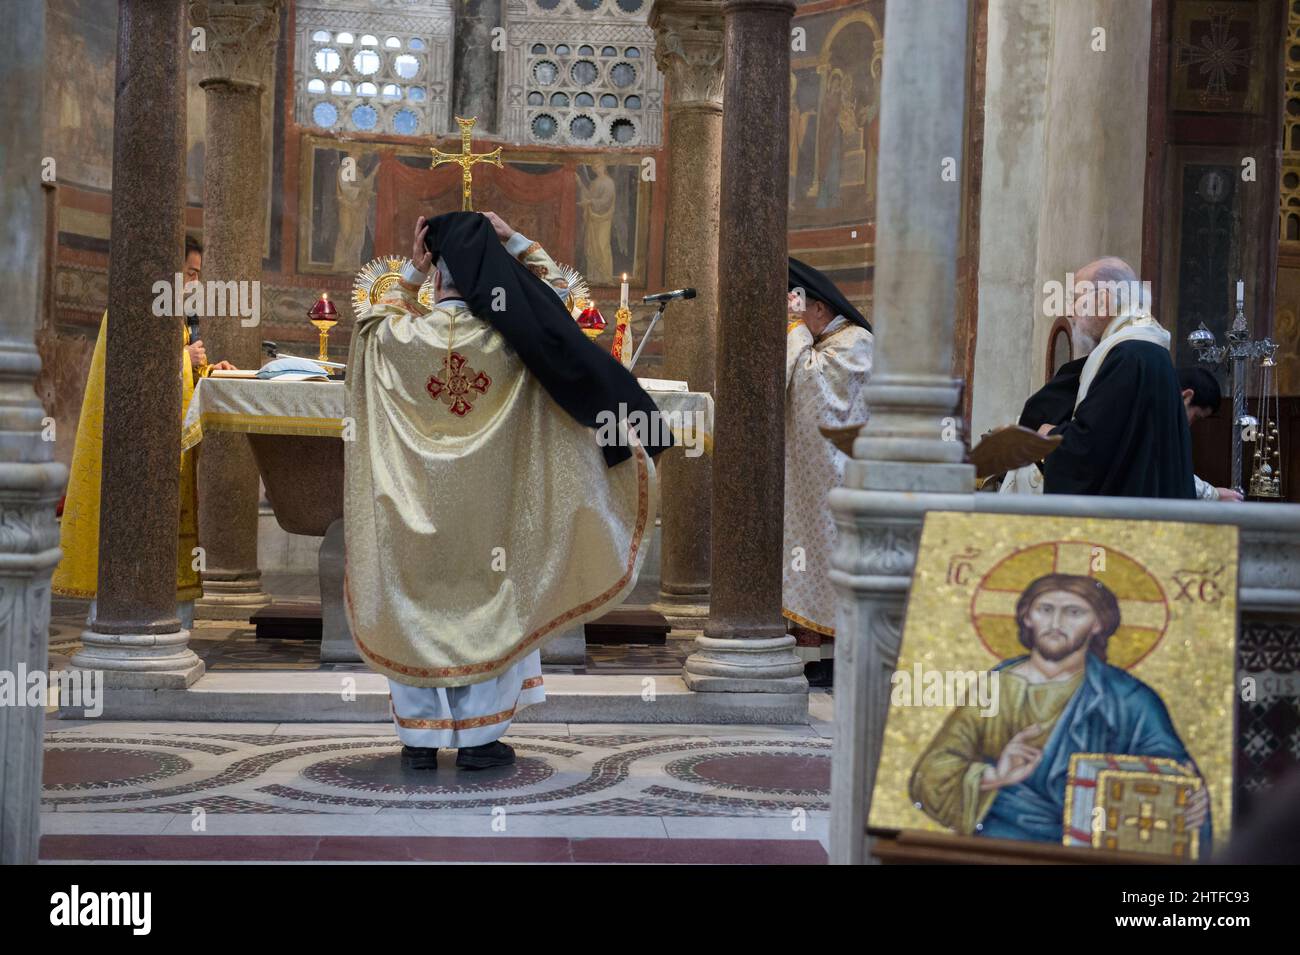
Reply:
x=231 y=599
x=739 y=665
x=683 y=611
x=140 y=660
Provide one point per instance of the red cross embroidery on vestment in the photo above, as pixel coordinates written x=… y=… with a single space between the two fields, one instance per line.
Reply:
x=457 y=385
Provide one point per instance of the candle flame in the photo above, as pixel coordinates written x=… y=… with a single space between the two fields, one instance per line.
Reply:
x=624 y=276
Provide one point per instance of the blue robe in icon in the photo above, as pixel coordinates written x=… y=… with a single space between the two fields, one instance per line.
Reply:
x=1111 y=712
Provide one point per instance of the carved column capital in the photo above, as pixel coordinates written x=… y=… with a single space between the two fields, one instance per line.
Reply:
x=688 y=51
x=238 y=42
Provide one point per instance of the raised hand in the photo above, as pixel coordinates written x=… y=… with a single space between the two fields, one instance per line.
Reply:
x=420 y=254
x=1017 y=761
x=499 y=226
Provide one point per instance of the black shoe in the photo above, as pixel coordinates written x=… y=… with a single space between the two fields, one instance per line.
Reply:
x=419 y=757
x=486 y=756
x=820 y=673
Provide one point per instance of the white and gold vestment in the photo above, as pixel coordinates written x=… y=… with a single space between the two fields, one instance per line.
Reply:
x=480 y=518
x=825 y=383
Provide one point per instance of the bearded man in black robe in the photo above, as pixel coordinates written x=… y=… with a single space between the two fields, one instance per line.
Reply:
x=1128 y=434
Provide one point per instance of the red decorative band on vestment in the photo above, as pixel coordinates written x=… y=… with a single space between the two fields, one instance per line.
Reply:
x=492 y=666
x=805 y=622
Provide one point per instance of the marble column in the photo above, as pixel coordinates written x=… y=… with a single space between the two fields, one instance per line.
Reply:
x=910 y=454
x=240 y=39
x=30 y=480
x=136 y=637
x=688 y=50
x=744 y=648
x=476 y=64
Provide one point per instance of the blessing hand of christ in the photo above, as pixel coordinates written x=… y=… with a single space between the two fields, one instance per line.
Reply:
x=1017 y=760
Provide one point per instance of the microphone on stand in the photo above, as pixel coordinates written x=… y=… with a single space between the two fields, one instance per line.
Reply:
x=662 y=298
x=669 y=296
x=192 y=319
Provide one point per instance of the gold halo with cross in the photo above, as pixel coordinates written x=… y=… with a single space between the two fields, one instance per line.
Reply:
x=1143 y=606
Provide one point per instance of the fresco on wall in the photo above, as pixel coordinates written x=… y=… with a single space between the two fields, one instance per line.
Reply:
x=590 y=212
x=835 y=119
x=337 y=223
x=81 y=38
x=610 y=206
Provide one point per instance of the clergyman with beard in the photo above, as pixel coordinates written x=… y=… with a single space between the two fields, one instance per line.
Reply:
x=1127 y=434
x=1004 y=776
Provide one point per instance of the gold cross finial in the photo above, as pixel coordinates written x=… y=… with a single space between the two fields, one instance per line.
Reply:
x=465 y=159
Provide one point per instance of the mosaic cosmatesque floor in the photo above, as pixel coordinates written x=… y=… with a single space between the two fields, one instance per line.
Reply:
x=231 y=792
x=295 y=792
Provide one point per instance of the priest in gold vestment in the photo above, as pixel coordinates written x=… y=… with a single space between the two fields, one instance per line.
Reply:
x=78 y=571
x=481 y=515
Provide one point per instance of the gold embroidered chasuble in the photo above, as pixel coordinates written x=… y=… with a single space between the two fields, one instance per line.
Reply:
x=78 y=572
x=825 y=382
x=479 y=518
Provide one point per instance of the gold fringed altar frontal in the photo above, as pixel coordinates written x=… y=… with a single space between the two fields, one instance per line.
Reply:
x=251 y=406
x=1171 y=652
x=263 y=424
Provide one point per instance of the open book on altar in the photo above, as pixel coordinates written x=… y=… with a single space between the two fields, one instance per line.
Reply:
x=662 y=384
x=280 y=369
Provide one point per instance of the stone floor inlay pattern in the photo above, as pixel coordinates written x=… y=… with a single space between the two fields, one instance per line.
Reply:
x=572 y=775
x=227 y=792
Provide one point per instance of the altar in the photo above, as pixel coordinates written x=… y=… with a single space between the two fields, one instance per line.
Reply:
x=296 y=430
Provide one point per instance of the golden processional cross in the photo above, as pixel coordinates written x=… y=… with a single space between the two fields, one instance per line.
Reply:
x=466 y=158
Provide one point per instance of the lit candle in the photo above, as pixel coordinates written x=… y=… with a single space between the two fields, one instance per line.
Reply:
x=622 y=294
x=1241 y=293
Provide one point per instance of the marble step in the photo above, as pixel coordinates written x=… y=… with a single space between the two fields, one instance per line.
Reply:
x=363 y=698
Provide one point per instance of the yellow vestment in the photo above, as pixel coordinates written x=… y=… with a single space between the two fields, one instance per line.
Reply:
x=78 y=572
